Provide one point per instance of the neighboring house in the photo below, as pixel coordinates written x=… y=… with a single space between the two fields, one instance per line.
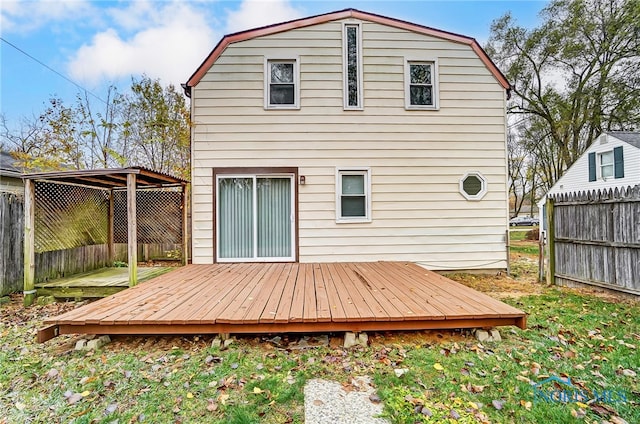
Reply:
x=612 y=161
x=10 y=175
x=349 y=137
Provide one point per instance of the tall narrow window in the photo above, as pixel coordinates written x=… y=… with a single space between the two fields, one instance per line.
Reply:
x=281 y=84
x=420 y=85
x=352 y=67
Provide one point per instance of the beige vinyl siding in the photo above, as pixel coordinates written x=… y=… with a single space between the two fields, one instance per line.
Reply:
x=416 y=158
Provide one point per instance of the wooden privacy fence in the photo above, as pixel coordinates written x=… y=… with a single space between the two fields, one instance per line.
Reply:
x=11 y=242
x=594 y=238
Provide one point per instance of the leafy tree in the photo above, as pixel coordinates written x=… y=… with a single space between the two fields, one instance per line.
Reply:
x=574 y=76
x=148 y=127
x=157 y=127
x=98 y=131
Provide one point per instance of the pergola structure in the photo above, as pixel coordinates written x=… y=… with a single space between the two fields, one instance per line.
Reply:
x=131 y=179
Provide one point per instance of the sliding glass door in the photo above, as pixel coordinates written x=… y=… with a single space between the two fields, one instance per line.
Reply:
x=255 y=218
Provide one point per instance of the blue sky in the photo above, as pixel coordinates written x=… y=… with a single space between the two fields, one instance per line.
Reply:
x=98 y=43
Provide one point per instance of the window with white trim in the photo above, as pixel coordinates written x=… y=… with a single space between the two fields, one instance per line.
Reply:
x=473 y=186
x=606 y=164
x=421 y=89
x=352 y=66
x=353 y=198
x=281 y=85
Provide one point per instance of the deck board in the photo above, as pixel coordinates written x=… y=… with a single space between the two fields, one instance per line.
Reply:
x=288 y=297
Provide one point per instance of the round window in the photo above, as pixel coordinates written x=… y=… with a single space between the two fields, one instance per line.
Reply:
x=473 y=186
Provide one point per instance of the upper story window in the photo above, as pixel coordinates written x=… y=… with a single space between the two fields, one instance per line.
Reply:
x=421 y=84
x=282 y=87
x=607 y=164
x=352 y=66
x=353 y=199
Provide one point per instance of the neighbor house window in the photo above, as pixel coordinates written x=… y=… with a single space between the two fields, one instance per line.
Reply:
x=607 y=164
x=281 y=84
x=421 y=85
x=473 y=186
x=352 y=69
x=353 y=199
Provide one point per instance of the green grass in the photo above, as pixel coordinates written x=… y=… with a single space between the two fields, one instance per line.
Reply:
x=558 y=342
x=184 y=379
x=526 y=249
x=519 y=234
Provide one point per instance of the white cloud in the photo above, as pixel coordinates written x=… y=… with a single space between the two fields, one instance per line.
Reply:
x=257 y=13
x=169 y=41
x=19 y=16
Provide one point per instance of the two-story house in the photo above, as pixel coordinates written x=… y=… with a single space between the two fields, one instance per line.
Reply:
x=349 y=136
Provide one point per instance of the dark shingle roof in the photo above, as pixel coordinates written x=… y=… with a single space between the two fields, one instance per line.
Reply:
x=7 y=166
x=631 y=137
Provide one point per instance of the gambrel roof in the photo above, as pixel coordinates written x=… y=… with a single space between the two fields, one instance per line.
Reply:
x=342 y=14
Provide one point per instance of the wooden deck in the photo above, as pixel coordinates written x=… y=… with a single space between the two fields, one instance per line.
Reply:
x=98 y=283
x=288 y=297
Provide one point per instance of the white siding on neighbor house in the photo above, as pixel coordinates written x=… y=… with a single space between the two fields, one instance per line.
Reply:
x=416 y=157
x=576 y=178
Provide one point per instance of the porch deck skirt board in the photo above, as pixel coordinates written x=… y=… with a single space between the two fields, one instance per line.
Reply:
x=289 y=297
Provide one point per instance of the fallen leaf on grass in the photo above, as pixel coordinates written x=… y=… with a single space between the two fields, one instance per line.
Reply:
x=579 y=414
x=257 y=390
x=617 y=420
x=52 y=373
x=212 y=405
x=628 y=373
x=399 y=372
x=438 y=367
x=601 y=409
x=498 y=404
x=85 y=380
x=74 y=398
x=223 y=398
x=526 y=404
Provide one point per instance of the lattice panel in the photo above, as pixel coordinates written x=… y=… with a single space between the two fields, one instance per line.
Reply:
x=158 y=214
x=68 y=216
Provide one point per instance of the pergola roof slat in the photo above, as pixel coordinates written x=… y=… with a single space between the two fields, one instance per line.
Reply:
x=110 y=178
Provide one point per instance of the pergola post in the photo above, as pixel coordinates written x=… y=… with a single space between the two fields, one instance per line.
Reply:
x=29 y=242
x=132 y=228
x=110 y=244
x=185 y=222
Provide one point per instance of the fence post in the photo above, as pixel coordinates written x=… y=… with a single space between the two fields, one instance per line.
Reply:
x=29 y=243
x=551 y=272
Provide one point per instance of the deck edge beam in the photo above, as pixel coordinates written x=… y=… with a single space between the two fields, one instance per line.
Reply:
x=48 y=333
x=297 y=327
